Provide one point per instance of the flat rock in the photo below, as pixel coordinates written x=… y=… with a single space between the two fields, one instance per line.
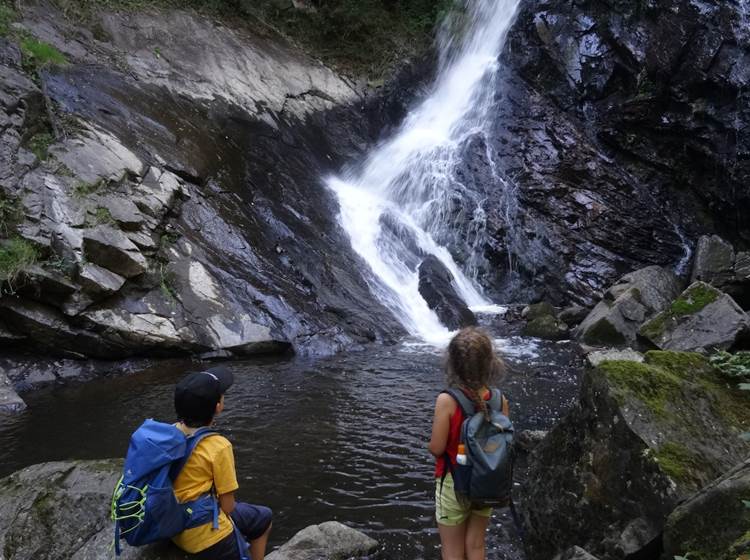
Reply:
x=632 y=300
x=124 y=212
x=141 y=331
x=99 y=281
x=702 y=318
x=328 y=541
x=45 y=286
x=111 y=249
x=9 y=399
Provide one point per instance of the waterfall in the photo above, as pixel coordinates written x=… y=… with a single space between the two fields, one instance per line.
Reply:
x=406 y=200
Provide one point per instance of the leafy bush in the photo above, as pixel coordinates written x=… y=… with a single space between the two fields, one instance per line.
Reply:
x=16 y=254
x=734 y=366
x=37 y=53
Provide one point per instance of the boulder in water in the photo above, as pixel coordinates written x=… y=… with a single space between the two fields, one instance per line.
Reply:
x=642 y=437
x=436 y=287
x=573 y=315
x=9 y=399
x=327 y=541
x=626 y=305
x=702 y=318
x=546 y=327
x=714 y=522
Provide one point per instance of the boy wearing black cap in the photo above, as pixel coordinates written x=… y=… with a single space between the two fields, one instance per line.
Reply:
x=198 y=398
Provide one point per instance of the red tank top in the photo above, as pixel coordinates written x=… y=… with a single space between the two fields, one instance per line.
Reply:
x=454 y=434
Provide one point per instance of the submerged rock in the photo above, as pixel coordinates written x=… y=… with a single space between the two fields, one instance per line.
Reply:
x=715 y=522
x=702 y=318
x=61 y=510
x=643 y=437
x=436 y=287
x=626 y=305
x=9 y=399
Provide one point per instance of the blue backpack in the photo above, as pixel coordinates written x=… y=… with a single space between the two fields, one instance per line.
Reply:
x=144 y=506
x=486 y=477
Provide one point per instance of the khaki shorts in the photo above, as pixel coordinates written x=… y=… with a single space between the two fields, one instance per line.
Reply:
x=448 y=510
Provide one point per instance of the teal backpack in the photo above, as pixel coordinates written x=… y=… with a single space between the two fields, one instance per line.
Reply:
x=486 y=478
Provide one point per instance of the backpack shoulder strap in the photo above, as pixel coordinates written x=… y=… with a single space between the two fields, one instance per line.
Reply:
x=192 y=443
x=496 y=400
x=466 y=404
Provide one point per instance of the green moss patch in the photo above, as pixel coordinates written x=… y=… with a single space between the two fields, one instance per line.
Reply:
x=37 y=53
x=10 y=213
x=652 y=385
x=83 y=189
x=691 y=301
x=680 y=464
x=39 y=144
x=682 y=364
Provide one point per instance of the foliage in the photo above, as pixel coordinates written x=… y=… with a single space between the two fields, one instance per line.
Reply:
x=10 y=213
x=37 y=54
x=16 y=255
x=734 y=366
x=691 y=301
x=102 y=215
x=7 y=15
x=167 y=283
x=364 y=36
x=40 y=143
x=83 y=189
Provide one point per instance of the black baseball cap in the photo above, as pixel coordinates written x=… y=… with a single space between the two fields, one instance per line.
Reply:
x=196 y=394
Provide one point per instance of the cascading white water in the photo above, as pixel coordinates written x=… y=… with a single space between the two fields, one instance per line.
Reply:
x=403 y=200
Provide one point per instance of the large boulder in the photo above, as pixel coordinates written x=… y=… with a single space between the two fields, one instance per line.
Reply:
x=714 y=524
x=642 y=437
x=61 y=510
x=329 y=540
x=714 y=261
x=702 y=318
x=626 y=305
x=436 y=287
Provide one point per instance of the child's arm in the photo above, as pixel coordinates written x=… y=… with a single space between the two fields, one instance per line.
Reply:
x=445 y=406
x=226 y=502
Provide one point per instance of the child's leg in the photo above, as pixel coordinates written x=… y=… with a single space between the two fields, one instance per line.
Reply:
x=254 y=522
x=258 y=546
x=476 y=528
x=452 y=541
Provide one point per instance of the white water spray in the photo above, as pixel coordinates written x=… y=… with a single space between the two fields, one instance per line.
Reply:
x=402 y=202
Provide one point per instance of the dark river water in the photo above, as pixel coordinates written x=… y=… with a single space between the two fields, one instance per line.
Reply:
x=340 y=438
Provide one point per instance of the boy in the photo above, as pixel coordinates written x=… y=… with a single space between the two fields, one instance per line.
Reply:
x=198 y=398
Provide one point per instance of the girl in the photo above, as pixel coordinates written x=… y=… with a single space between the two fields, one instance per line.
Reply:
x=471 y=366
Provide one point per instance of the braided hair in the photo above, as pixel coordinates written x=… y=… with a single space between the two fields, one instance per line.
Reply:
x=471 y=364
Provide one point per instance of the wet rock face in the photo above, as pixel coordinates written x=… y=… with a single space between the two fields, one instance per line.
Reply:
x=170 y=225
x=435 y=286
x=642 y=437
x=618 y=124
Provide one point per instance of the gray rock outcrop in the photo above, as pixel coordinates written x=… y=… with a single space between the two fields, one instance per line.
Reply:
x=715 y=522
x=713 y=262
x=702 y=318
x=626 y=305
x=575 y=553
x=436 y=287
x=643 y=437
x=327 y=541
x=61 y=510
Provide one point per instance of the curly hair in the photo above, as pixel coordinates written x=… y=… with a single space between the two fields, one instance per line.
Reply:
x=471 y=364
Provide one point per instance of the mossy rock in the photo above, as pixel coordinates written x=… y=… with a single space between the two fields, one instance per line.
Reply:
x=539 y=310
x=546 y=327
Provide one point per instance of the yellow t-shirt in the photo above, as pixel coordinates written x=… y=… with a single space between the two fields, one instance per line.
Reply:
x=210 y=464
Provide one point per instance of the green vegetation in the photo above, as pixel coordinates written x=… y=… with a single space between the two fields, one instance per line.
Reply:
x=39 y=144
x=37 y=54
x=7 y=16
x=734 y=366
x=10 y=213
x=652 y=385
x=168 y=282
x=16 y=254
x=692 y=300
x=362 y=36
x=679 y=463
x=101 y=216
x=83 y=189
